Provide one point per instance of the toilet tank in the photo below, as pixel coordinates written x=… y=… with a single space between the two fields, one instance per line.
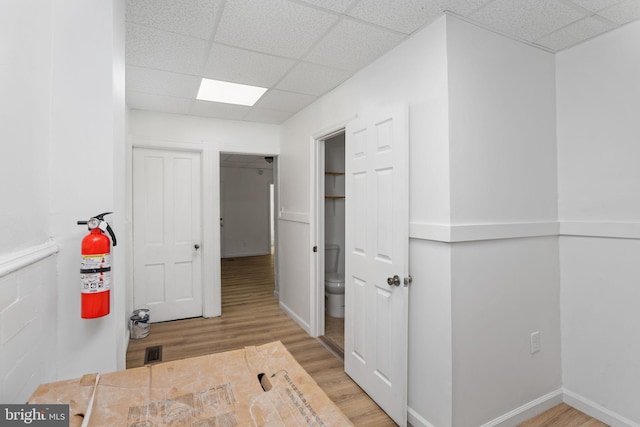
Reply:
x=331 y=257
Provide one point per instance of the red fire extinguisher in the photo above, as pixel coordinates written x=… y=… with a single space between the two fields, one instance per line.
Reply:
x=95 y=268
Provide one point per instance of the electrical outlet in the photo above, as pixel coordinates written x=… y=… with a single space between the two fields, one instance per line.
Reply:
x=535 y=342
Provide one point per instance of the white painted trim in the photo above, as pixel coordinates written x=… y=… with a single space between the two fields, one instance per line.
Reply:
x=294 y=217
x=24 y=258
x=426 y=231
x=304 y=325
x=416 y=420
x=329 y=132
x=527 y=411
x=317 y=232
x=621 y=230
x=471 y=232
x=164 y=144
x=454 y=233
x=210 y=208
x=596 y=411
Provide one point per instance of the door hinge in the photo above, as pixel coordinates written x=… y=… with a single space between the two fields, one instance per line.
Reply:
x=315 y=249
x=408 y=280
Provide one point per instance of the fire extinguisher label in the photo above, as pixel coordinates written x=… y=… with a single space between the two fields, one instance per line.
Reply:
x=95 y=273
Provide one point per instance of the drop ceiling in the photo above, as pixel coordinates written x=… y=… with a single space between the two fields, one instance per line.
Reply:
x=301 y=49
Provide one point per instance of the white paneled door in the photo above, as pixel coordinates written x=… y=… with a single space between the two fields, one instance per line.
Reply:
x=377 y=250
x=167 y=233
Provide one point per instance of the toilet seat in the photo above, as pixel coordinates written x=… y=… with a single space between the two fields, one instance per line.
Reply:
x=334 y=283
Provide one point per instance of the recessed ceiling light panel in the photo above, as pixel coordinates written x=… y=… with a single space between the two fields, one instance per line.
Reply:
x=229 y=93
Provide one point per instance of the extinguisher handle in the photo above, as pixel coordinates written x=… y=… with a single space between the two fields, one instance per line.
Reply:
x=111 y=233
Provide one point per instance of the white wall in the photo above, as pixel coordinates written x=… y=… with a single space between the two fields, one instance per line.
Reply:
x=503 y=176
x=25 y=123
x=502 y=291
x=61 y=161
x=245 y=209
x=414 y=73
x=482 y=173
x=223 y=135
x=87 y=133
x=599 y=181
x=27 y=256
x=502 y=129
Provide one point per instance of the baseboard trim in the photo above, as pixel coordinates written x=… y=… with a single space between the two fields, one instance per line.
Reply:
x=304 y=325
x=540 y=405
x=416 y=419
x=596 y=411
x=527 y=411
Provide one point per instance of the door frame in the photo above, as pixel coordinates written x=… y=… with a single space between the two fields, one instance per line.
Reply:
x=211 y=301
x=317 y=224
x=273 y=215
x=210 y=157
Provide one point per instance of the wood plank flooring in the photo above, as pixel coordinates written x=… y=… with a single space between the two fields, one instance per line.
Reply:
x=251 y=316
x=565 y=416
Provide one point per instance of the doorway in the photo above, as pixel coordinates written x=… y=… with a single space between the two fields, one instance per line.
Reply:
x=248 y=193
x=330 y=229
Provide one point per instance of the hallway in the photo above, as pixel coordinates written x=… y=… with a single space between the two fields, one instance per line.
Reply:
x=251 y=316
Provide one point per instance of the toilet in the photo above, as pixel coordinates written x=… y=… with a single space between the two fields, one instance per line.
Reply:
x=333 y=282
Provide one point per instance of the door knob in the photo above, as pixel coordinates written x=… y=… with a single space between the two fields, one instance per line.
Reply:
x=393 y=281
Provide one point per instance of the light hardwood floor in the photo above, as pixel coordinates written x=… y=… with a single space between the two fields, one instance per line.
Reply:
x=251 y=316
x=563 y=415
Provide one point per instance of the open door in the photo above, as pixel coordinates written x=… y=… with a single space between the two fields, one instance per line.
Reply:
x=377 y=257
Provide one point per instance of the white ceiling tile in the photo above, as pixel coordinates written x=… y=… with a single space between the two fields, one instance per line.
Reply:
x=404 y=16
x=263 y=115
x=595 y=5
x=194 y=18
x=527 y=19
x=148 y=47
x=150 y=102
x=276 y=27
x=219 y=110
x=312 y=79
x=284 y=101
x=352 y=45
x=575 y=33
x=461 y=7
x=148 y=80
x=339 y=6
x=235 y=65
x=622 y=13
